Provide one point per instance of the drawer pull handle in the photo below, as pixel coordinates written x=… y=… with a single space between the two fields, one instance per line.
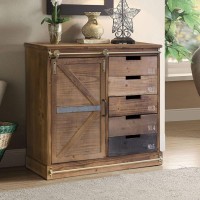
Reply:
x=132 y=77
x=133 y=117
x=133 y=97
x=133 y=57
x=132 y=136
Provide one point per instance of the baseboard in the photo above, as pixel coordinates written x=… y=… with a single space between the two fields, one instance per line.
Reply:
x=186 y=114
x=13 y=158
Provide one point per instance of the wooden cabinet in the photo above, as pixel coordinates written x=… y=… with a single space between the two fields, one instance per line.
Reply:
x=91 y=108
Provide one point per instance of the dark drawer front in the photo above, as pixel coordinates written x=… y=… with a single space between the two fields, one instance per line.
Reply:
x=132 y=65
x=133 y=125
x=125 y=145
x=132 y=105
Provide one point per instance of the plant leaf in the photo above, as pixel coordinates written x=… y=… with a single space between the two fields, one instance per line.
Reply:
x=175 y=14
x=178 y=52
x=173 y=52
x=47 y=19
x=170 y=5
x=192 y=21
x=168 y=13
x=179 y=11
x=62 y=20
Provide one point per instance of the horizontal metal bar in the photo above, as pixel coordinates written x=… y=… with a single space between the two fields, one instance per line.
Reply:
x=105 y=52
x=135 y=52
x=86 y=53
x=51 y=172
x=110 y=53
x=73 y=109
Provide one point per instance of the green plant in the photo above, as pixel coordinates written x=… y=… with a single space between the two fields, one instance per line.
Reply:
x=179 y=11
x=55 y=17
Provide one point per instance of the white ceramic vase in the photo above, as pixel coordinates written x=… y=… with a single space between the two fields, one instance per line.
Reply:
x=3 y=85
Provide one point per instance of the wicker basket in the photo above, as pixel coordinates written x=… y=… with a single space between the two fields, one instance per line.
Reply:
x=6 y=130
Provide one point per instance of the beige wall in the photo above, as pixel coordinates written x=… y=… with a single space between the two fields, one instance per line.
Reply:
x=20 y=22
x=181 y=94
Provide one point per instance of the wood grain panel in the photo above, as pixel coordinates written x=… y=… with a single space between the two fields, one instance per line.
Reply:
x=120 y=66
x=120 y=106
x=37 y=167
x=38 y=115
x=135 y=144
x=102 y=162
x=78 y=83
x=119 y=86
x=75 y=135
x=121 y=126
x=74 y=47
x=78 y=135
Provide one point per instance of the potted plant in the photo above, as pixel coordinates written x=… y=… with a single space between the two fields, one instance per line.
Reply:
x=55 y=22
x=179 y=12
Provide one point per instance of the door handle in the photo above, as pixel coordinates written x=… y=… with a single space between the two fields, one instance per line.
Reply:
x=104 y=107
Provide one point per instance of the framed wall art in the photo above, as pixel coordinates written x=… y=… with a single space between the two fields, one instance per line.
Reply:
x=78 y=7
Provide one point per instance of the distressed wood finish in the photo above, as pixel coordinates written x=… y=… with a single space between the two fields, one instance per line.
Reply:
x=75 y=133
x=133 y=125
x=135 y=144
x=122 y=86
x=105 y=162
x=44 y=171
x=77 y=102
x=38 y=102
x=78 y=84
x=142 y=65
x=120 y=106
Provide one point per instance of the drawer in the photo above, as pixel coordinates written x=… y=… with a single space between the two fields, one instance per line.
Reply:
x=132 y=65
x=133 y=105
x=132 y=85
x=133 y=125
x=124 y=145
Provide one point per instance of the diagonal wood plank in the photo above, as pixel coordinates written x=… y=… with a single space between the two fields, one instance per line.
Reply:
x=78 y=84
x=77 y=135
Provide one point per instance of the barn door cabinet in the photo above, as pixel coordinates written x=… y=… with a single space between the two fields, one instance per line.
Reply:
x=91 y=108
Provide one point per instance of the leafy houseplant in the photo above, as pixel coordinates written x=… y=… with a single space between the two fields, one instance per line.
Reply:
x=176 y=12
x=55 y=22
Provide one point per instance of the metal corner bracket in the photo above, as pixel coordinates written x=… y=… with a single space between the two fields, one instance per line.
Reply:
x=55 y=54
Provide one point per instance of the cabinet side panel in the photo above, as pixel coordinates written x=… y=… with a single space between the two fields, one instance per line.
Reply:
x=37 y=105
x=158 y=81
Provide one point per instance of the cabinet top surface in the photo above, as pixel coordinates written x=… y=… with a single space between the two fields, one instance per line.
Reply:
x=137 y=45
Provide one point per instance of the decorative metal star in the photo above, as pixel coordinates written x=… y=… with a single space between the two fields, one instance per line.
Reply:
x=122 y=17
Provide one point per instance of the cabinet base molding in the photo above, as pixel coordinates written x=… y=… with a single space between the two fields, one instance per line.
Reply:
x=64 y=170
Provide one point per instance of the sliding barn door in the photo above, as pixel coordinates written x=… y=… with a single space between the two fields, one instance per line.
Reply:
x=78 y=91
